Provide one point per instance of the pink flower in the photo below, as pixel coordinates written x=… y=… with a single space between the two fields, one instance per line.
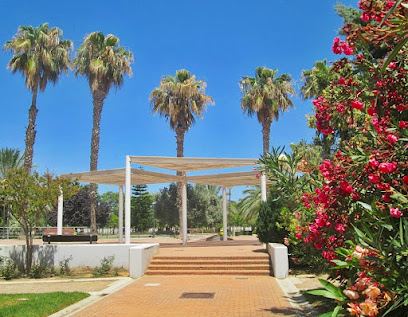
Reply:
x=348 y=50
x=339 y=227
x=369 y=308
x=354 y=309
x=365 y=17
x=357 y=104
x=403 y=124
x=318 y=246
x=387 y=167
x=405 y=179
x=371 y=111
x=351 y=294
x=332 y=239
x=342 y=81
x=392 y=65
x=379 y=83
x=373 y=162
x=395 y=212
x=372 y=292
x=298 y=236
x=374 y=179
x=392 y=138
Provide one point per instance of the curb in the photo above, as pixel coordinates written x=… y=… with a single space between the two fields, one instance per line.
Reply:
x=295 y=298
x=94 y=297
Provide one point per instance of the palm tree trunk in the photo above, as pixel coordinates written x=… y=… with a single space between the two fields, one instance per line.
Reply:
x=266 y=131
x=98 y=99
x=180 y=153
x=30 y=132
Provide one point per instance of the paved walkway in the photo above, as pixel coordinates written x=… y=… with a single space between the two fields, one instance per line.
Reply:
x=233 y=296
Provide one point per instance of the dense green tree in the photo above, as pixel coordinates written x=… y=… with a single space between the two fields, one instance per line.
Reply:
x=204 y=206
x=180 y=99
x=76 y=210
x=104 y=63
x=165 y=209
x=41 y=55
x=30 y=197
x=112 y=200
x=266 y=95
x=141 y=208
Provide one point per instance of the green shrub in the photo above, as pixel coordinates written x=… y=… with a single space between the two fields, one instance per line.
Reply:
x=104 y=269
x=7 y=267
x=64 y=266
x=266 y=225
x=38 y=270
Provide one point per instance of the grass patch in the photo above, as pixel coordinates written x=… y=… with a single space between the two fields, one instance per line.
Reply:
x=36 y=305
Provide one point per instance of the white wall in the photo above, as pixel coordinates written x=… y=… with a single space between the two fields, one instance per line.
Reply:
x=84 y=255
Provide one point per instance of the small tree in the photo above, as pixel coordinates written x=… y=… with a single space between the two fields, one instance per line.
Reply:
x=141 y=208
x=30 y=197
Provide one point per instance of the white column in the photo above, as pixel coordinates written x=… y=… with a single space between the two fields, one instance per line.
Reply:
x=184 y=215
x=60 y=211
x=128 y=184
x=224 y=213
x=263 y=187
x=120 y=214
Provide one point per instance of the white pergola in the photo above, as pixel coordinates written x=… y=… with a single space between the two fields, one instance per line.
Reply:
x=130 y=176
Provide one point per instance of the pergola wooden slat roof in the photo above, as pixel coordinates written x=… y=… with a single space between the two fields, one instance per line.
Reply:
x=183 y=164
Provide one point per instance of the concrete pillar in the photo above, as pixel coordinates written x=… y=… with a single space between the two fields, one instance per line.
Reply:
x=263 y=187
x=60 y=211
x=120 y=214
x=184 y=215
x=224 y=213
x=128 y=184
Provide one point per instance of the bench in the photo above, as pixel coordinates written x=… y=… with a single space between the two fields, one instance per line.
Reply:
x=54 y=231
x=70 y=238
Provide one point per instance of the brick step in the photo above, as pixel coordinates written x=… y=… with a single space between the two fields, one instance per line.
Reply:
x=205 y=272
x=214 y=268
x=211 y=257
x=209 y=262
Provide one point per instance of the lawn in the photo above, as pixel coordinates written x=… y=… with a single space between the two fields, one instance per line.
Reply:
x=35 y=305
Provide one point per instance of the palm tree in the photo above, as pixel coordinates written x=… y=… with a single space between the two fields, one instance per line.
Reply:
x=180 y=99
x=41 y=55
x=250 y=204
x=9 y=159
x=266 y=95
x=315 y=80
x=104 y=63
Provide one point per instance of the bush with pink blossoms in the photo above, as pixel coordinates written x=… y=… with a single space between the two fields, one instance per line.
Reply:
x=360 y=222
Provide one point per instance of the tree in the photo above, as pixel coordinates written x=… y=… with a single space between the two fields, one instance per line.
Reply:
x=267 y=95
x=165 y=209
x=9 y=159
x=180 y=99
x=30 y=197
x=315 y=81
x=141 y=208
x=104 y=63
x=76 y=210
x=41 y=55
x=204 y=206
x=250 y=204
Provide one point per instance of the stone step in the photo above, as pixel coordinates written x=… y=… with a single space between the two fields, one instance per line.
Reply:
x=158 y=257
x=214 y=268
x=208 y=272
x=208 y=262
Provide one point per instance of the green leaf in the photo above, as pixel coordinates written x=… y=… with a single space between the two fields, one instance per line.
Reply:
x=333 y=289
x=324 y=293
x=365 y=205
x=404 y=5
x=398 y=196
x=394 y=53
x=396 y=4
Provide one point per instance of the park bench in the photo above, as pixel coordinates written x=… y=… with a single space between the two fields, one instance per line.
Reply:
x=68 y=235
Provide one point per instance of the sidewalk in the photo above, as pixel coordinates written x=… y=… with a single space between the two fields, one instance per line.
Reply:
x=233 y=296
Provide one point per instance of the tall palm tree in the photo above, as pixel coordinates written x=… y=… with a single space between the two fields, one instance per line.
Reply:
x=9 y=159
x=315 y=80
x=267 y=95
x=41 y=55
x=180 y=99
x=104 y=63
x=250 y=204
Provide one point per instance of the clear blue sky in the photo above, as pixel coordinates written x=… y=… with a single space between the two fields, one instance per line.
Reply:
x=218 y=41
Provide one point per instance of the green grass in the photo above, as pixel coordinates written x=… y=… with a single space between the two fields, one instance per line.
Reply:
x=36 y=305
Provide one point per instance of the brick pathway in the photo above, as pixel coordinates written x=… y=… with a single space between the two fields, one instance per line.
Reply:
x=234 y=296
